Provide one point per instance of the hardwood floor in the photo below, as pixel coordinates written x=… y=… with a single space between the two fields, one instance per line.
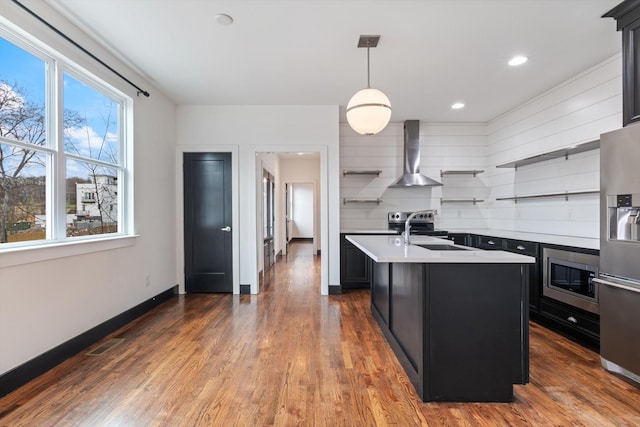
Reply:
x=292 y=357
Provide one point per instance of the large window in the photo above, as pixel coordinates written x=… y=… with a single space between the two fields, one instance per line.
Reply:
x=62 y=149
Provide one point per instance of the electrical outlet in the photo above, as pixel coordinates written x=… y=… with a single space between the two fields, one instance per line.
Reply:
x=147 y=281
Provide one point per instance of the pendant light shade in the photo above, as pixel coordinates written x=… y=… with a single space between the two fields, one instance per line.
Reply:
x=369 y=110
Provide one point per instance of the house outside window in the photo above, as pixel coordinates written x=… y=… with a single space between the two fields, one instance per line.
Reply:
x=61 y=128
x=97 y=198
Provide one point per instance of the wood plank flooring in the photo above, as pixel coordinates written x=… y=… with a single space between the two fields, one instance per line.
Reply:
x=290 y=357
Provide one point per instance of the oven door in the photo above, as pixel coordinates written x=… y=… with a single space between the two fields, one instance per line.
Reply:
x=568 y=277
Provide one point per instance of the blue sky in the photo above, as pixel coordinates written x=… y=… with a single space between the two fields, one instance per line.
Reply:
x=17 y=65
x=28 y=72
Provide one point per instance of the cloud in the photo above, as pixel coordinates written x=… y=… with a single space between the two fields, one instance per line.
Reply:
x=11 y=100
x=86 y=142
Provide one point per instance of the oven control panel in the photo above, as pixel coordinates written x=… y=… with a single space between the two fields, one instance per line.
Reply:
x=401 y=217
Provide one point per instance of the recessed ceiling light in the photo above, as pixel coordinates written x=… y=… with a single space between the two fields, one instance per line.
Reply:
x=224 y=19
x=517 y=60
x=457 y=105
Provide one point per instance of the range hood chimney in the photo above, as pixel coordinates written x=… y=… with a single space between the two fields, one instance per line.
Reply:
x=412 y=176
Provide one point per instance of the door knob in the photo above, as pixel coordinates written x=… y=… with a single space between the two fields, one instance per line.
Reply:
x=227 y=229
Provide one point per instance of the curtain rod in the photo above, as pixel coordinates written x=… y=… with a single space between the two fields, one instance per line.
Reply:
x=73 y=42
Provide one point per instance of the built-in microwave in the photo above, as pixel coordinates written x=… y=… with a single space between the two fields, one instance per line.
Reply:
x=568 y=277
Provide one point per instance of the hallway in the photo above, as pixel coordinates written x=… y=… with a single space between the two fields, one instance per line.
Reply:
x=292 y=357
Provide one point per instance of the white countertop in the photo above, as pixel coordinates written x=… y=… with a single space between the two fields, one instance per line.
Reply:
x=553 y=239
x=392 y=249
x=370 y=231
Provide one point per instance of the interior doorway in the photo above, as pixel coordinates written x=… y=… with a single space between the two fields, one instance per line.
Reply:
x=287 y=217
x=298 y=205
x=302 y=211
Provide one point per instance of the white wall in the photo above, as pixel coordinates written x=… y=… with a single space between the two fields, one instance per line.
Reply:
x=577 y=111
x=442 y=147
x=574 y=112
x=254 y=129
x=302 y=210
x=48 y=296
x=302 y=169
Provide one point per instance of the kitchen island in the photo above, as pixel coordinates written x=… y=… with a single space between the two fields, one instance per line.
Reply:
x=455 y=317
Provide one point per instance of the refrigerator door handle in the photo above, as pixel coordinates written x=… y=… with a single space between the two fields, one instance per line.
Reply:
x=616 y=285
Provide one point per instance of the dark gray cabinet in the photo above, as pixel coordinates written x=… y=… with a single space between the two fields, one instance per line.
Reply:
x=577 y=324
x=627 y=16
x=489 y=243
x=463 y=239
x=355 y=268
x=380 y=290
x=519 y=247
x=459 y=331
x=535 y=283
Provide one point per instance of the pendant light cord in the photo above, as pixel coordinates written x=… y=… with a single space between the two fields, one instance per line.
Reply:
x=368 y=68
x=73 y=42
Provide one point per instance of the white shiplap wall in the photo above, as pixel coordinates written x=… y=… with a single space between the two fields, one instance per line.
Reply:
x=574 y=112
x=577 y=111
x=443 y=147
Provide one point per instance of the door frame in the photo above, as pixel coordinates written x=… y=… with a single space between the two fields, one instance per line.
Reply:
x=323 y=150
x=314 y=190
x=235 y=226
x=271 y=207
x=287 y=217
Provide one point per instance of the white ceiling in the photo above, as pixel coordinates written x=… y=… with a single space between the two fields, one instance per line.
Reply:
x=300 y=52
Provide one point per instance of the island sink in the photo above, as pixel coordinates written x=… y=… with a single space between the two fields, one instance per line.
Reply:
x=443 y=247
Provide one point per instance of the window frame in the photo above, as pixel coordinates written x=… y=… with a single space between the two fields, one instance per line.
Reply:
x=56 y=66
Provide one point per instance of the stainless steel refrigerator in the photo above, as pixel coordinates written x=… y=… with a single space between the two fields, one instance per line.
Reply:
x=619 y=275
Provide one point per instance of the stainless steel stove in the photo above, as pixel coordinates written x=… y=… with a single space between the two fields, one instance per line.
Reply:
x=421 y=224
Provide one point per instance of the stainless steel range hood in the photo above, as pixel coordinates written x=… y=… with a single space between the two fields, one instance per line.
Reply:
x=412 y=176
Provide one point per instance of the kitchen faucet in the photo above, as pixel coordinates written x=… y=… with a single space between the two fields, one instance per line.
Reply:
x=407 y=225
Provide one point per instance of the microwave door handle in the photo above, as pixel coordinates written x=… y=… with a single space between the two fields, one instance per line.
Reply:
x=616 y=285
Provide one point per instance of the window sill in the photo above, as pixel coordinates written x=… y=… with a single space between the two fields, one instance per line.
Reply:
x=37 y=253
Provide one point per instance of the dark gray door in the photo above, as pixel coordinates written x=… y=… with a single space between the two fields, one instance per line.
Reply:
x=207 y=222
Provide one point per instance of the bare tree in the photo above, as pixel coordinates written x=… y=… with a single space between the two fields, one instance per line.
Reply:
x=103 y=190
x=22 y=120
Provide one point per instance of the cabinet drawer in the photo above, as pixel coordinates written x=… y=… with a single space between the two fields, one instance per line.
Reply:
x=486 y=242
x=571 y=317
x=520 y=247
x=459 y=238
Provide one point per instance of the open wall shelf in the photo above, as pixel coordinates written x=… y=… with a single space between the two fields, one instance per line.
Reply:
x=566 y=195
x=346 y=200
x=474 y=200
x=564 y=152
x=460 y=172
x=473 y=172
x=361 y=172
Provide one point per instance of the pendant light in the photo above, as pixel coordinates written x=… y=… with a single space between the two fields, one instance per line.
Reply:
x=369 y=110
